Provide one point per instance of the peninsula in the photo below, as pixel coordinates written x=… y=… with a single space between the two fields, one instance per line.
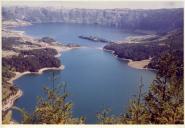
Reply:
x=36 y=55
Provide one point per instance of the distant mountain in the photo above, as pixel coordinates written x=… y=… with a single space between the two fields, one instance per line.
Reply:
x=139 y=19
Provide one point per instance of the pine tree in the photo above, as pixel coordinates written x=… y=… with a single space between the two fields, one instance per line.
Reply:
x=164 y=100
x=52 y=108
x=136 y=114
x=163 y=103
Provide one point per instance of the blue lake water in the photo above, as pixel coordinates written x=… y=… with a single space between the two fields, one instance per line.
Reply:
x=95 y=78
x=68 y=33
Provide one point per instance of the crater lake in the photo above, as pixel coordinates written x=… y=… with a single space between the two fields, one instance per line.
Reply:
x=95 y=78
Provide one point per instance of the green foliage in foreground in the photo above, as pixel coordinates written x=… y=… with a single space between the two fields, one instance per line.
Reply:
x=165 y=99
x=162 y=104
x=51 y=110
x=136 y=114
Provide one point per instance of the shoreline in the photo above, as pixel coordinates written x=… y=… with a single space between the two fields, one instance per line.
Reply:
x=59 y=48
x=12 y=99
x=40 y=71
x=133 y=64
x=139 y=64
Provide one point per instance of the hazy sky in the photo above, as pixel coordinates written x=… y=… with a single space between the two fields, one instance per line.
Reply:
x=103 y=4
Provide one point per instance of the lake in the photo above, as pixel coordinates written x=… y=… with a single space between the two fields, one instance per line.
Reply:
x=95 y=78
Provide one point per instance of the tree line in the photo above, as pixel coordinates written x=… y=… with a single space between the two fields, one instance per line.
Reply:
x=32 y=60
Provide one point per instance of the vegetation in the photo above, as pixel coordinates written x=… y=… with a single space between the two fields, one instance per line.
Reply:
x=47 y=40
x=151 y=48
x=32 y=60
x=135 y=52
x=8 y=42
x=7 y=89
x=165 y=99
x=50 y=109
x=95 y=39
x=162 y=104
x=7 y=73
x=27 y=60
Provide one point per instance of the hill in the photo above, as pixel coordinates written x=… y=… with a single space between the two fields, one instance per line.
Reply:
x=149 y=48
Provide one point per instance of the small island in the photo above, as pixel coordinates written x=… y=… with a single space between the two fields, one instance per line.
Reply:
x=95 y=39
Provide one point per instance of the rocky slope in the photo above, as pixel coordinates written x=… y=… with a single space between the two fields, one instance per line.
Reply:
x=160 y=19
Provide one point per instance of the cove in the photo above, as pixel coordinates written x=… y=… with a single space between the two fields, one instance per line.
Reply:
x=95 y=78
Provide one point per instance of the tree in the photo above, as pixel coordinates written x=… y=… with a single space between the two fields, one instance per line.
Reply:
x=164 y=101
x=136 y=113
x=52 y=108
